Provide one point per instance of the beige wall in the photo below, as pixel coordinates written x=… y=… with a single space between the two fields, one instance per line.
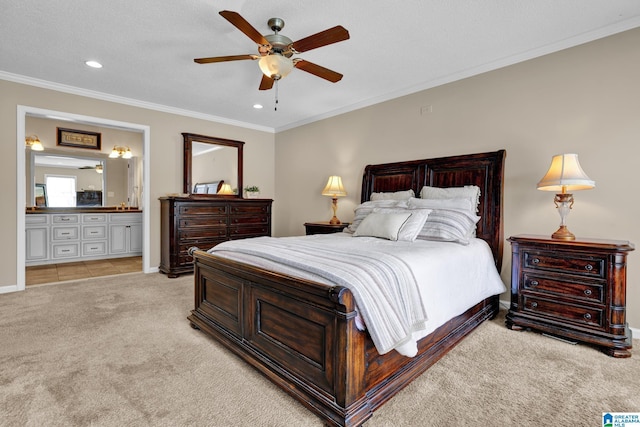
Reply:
x=584 y=100
x=165 y=152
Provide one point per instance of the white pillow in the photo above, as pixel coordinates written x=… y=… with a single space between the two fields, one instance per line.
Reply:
x=384 y=225
x=397 y=195
x=364 y=209
x=412 y=227
x=449 y=225
x=470 y=192
x=459 y=204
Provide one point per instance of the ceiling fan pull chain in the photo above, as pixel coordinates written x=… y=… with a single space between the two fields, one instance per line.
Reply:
x=276 y=104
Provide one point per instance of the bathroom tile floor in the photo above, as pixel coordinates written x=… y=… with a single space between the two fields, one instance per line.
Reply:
x=36 y=275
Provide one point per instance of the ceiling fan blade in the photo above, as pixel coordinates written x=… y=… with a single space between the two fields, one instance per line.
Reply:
x=266 y=83
x=323 y=38
x=240 y=23
x=224 y=58
x=319 y=71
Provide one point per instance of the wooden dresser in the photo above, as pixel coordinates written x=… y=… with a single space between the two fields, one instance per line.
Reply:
x=205 y=222
x=571 y=289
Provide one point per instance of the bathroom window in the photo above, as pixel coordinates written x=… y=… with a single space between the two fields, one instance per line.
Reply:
x=61 y=191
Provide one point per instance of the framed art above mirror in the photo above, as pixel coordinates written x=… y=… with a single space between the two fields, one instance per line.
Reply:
x=212 y=166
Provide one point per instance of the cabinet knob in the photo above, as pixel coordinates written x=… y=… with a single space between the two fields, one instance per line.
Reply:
x=533 y=283
x=588 y=267
x=535 y=260
x=587 y=292
x=534 y=304
x=587 y=316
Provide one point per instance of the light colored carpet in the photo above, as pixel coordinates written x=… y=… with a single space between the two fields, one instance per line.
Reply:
x=118 y=351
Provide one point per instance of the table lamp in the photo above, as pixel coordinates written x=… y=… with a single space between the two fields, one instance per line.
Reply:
x=564 y=176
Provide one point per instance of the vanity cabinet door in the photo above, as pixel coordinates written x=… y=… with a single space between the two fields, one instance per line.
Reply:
x=37 y=243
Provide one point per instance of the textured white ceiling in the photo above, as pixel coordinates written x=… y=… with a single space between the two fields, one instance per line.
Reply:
x=396 y=48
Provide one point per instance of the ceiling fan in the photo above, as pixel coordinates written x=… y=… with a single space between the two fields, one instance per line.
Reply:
x=275 y=51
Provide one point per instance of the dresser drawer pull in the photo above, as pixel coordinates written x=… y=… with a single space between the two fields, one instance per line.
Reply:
x=534 y=304
x=587 y=316
x=587 y=292
x=535 y=260
x=533 y=283
x=588 y=267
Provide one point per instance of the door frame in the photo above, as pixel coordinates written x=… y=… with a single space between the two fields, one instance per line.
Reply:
x=22 y=113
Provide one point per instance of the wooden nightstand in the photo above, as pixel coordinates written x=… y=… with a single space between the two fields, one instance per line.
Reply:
x=572 y=289
x=324 y=227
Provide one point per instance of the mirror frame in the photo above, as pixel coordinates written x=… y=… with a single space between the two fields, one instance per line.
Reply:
x=189 y=139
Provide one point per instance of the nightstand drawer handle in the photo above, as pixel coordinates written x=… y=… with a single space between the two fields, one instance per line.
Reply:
x=587 y=316
x=588 y=267
x=587 y=292
x=535 y=260
x=534 y=304
x=533 y=283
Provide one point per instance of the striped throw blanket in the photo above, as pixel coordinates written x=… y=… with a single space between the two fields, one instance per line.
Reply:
x=383 y=285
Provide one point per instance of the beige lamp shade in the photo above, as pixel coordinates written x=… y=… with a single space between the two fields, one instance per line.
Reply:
x=565 y=175
x=226 y=189
x=334 y=187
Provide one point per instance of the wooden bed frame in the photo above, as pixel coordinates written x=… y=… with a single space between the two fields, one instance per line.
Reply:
x=302 y=335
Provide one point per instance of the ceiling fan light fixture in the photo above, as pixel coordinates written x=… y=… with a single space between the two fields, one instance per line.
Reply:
x=275 y=66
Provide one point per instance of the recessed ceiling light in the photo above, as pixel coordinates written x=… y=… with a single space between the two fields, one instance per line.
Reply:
x=257 y=106
x=93 y=64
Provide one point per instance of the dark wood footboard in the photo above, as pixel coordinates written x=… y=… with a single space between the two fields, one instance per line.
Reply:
x=302 y=335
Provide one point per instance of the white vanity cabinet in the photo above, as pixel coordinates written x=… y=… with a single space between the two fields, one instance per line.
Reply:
x=63 y=237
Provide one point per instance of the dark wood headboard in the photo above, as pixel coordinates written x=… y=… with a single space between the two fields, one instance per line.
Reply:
x=486 y=170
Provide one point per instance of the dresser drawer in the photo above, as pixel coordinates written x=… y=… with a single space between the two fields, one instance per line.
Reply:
x=250 y=208
x=586 y=316
x=244 y=231
x=592 y=292
x=202 y=221
x=565 y=263
x=193 y=234
x=253 y=219
x=193 y=209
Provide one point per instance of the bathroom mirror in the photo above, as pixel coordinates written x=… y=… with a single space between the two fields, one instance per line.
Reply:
x=65 y=180
x=212 y=166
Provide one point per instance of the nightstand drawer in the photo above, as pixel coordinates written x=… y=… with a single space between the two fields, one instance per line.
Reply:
x=591 y=292
x=587 y=316
x=565 y=263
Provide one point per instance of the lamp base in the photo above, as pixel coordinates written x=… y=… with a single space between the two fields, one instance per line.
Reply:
x=334 y=221
x=563 y=234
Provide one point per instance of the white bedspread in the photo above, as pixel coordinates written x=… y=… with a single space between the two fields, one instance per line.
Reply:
x=451 y=278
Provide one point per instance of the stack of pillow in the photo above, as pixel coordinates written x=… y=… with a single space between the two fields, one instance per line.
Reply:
x=440 y=214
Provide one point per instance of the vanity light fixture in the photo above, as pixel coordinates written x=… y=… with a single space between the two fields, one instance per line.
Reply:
x=334 y=189
x=34 y=143
x=124 y=152
x=564 y=176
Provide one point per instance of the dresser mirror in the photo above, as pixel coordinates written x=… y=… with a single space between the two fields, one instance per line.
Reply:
x=212 y=166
